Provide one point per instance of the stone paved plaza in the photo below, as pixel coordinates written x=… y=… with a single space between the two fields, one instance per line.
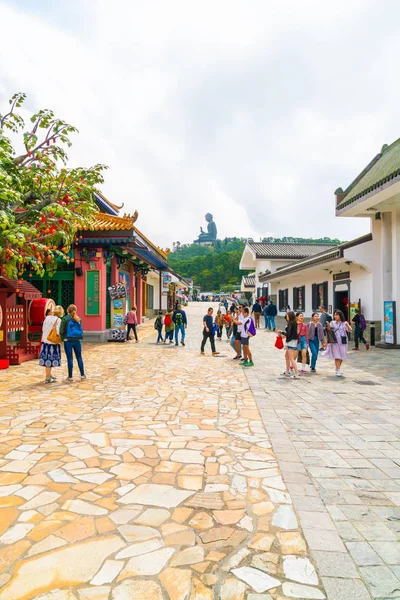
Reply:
x=171 y=476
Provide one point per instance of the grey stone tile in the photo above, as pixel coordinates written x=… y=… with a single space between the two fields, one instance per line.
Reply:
x=360 y=513
x=374 y=531
x=389 y=551
x=335 y=564
x=348 y=532
x=363 y=554
x=345 y=589
x=319 y=539
x=381 y=581
x=336 y=514
x=308 y=503
x=316 y=520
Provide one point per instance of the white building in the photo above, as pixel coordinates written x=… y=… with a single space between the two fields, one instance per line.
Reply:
x=365 y=271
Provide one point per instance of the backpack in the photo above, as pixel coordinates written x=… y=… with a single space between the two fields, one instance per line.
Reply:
x=363 y=322
x=158 y=322
x=167 y=320
x=251 y=328
x=178 y=319
x=74 y=330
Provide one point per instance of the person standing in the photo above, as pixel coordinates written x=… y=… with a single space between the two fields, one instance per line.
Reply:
x=302 y=337
x=270 y=311
x=290 y=334
x=180 y=322
x=337 y=330
x=158 y=325
x=50 y=350
x=245 y=339
x=219 y=321
x=208 y=332
x=256 y=310
x=324 y=318
x=315 y=338
x=169 y=327
x=228 y=323
x=237 y=320
x=360 y=326
x=71 y=334
x=131 y=322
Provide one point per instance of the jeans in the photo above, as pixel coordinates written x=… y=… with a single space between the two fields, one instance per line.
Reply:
x=266 y=319
x=75 y=346
x=179 y=328
x=359 y=336
x=219 y=332
x=160 y=337
x=169 y=335
x=314 y=347
x=128 y=330
x=270 y=322
x=208 y=335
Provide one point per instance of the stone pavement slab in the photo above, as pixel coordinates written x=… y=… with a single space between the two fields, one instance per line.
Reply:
x=154 y=478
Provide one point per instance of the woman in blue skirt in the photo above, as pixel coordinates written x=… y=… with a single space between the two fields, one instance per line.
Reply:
x=50 y=352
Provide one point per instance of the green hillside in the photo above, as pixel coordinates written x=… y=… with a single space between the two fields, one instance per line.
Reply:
x=216 y=268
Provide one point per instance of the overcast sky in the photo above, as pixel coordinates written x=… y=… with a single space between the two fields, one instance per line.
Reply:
x=254 y=111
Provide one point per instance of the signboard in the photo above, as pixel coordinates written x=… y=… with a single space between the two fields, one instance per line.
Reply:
x=389 y=322
x=341 y=276
x=92 y=293
x=118 y=310
x=353 y=306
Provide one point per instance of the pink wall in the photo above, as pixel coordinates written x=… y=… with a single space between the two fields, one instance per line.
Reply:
x=89 y=322
x=139 y=298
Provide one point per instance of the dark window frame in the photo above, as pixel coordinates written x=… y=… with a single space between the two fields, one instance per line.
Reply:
x=283 y=297
x=296 y=291
x=315 y=300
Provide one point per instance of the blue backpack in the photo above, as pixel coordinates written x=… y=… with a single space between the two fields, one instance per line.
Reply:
x=74 y=330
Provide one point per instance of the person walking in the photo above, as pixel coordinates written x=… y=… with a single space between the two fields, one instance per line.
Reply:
x=237 y=320
x=270 y=312
x=219 y=321
x=208 y=332
x=169 y=327
x=228 y=323
x=256 y=311
x=316 y=338
x=302 y=340
x=360 y=326
x=158 y=325
x=324 y=318
x=338 y=340
x=180 y=322
x=50 y=350
x=291 y=336
x=71 y=334
x=245 y=339
x=131 y=322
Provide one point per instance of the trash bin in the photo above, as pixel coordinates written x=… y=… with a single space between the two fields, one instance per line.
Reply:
x=372 y=333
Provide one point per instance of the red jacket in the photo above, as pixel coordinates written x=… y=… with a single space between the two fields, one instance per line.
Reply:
x=302 y=330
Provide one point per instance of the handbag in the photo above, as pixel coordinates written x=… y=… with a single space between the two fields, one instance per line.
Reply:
x=53 y=336
x=331 y=336
x=279 y=342
x=299 y=357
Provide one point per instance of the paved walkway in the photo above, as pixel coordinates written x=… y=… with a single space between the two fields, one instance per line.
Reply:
x=156 y=479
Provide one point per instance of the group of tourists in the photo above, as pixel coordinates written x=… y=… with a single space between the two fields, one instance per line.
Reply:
x=57 y=329
x=266 y=308
x=173 y=322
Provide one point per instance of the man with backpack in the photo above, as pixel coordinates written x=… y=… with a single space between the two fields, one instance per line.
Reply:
x=180 y=322
x=169 y=327
x=324 y=318
x=247 y=330
x=360 y=326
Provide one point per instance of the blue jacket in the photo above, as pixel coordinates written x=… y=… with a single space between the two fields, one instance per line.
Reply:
x=271 y=310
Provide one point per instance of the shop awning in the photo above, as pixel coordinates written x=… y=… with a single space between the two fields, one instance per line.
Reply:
x=150 y=258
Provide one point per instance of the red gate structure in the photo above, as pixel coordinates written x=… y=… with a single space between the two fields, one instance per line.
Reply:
x=14 y=318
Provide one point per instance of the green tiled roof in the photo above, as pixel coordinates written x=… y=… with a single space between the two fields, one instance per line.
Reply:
x=384 y=167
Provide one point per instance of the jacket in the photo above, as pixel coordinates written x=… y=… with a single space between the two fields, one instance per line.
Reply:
x=311 y=331
x=303 y=331
x=291 y=332
x=271 y=310
x=256 y=307
x=131 y=318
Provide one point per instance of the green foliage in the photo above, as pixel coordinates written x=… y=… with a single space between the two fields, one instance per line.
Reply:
x=216 y=268
x=42 y=203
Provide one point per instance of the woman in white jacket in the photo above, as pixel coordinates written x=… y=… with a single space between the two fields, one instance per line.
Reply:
x=50 y=351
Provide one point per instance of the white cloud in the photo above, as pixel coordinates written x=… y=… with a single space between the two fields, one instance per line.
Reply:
x=255 y=112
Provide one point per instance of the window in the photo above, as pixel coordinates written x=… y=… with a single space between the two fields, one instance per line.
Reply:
x=283 y=299
x=150 y=296
x=319 y=294
x=299 y=297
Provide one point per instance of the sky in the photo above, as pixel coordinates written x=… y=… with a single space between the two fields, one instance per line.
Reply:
x=254 y=111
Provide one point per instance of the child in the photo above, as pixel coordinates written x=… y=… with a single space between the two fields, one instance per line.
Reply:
x=169 y=327
x=228 y=322
x=219 y=321
x=158 y=325
x=244 y=331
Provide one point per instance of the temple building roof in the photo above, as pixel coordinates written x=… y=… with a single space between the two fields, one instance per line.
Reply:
x=104 y=222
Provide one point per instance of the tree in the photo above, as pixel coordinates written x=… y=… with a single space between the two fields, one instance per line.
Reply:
x=42 y=203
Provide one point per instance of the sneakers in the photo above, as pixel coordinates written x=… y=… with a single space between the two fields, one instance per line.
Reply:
x=339 y=374
x=183 y=343
x=49 y=380
x=83 y=377
x=69 y=380
x=303 y=371
x=176 y=344
x=237 y=358
x=367 y=346
x=202 y=353
x=355 y=348
x=294 y=376
x=53 y=378
x=313 y=370
x=249 y=363
x=286 y=373
x=215 y=353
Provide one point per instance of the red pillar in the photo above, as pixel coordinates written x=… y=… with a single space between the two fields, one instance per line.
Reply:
x=131 y=291
x=114 y=271
x=139 y=299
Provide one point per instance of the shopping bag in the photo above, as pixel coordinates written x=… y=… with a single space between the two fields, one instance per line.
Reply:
x=279 y=342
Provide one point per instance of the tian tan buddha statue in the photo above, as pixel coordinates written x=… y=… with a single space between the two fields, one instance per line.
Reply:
x=211 y=235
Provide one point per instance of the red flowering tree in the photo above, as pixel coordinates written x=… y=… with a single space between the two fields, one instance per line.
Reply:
x=42 y=202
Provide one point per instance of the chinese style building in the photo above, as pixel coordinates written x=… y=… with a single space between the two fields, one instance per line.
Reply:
x=110 y=250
